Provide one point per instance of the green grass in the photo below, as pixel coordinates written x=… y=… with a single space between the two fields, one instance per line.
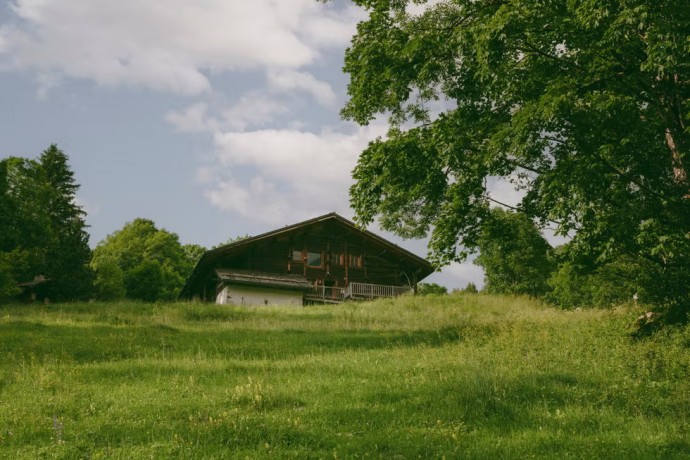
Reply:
x=456 y=376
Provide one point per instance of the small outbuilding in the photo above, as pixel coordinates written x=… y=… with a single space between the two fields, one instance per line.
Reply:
x=327 y=259
x=35 y=290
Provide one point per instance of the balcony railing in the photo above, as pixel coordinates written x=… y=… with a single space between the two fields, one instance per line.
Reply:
x=326 y=294
x=373 y=291
x=354 y=291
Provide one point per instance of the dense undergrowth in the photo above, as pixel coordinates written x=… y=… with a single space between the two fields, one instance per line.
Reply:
x=456 y=376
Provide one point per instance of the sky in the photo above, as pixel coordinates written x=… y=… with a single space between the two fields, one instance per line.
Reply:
x=213 y=118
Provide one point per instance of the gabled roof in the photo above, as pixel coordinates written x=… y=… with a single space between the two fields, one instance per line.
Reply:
x=306 y=223
x=422 y=266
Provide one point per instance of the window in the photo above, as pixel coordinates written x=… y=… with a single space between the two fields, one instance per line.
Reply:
x=336 y=259
x=355 y=261
x=297 y=256
x=314 y=259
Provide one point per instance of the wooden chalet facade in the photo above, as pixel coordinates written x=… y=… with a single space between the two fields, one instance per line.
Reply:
x=321 y=260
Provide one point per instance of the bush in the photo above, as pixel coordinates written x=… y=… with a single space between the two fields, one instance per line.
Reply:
x=431 y=289
x=574 y=285
x=471 y=288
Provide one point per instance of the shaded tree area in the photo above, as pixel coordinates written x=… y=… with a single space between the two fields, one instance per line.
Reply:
x=580 y=284
x=42 y=229
x=581 y=105
x=514 y=255
x=518 y=260
x=142 y=262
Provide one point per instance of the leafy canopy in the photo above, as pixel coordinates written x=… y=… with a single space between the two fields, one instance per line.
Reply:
x=142 y=262
x=582 y=105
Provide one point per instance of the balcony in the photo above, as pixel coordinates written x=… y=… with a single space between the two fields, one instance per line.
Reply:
x=354 y=291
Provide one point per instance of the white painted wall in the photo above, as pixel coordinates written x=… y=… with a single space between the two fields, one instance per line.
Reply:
x=249 y=295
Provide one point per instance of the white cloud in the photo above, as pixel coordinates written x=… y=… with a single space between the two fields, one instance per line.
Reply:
x=252 y=110
x=503 y=191
x=418 y=9
x=255 y=110
x=333 y=28
x=193 y=119
x=457 y=275
x=169 y=45
x=230 y=196
x=287 y=80
x=280 y=176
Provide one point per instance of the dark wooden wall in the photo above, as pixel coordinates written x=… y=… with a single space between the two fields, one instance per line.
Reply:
x=274 y=255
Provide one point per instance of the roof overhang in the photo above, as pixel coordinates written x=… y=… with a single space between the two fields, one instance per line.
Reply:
x=262 y=279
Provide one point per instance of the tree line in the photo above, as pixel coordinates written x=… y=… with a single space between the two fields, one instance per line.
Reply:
x=43 y=237
x=518 y=260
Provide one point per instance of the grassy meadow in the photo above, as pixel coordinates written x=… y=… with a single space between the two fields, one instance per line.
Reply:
x=459 y=376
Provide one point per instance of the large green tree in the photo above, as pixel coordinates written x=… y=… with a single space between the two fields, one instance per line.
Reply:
x=42 y=229
x=68 y=253
x=142 y=262
x=583 y=105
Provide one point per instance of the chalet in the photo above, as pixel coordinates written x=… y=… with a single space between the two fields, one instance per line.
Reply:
x=322 y=260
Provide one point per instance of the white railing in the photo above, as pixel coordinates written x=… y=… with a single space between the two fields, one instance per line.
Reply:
x=371 y=291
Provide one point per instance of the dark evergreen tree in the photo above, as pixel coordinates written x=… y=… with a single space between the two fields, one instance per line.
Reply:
x=8 y=285
x=24 y=226
x=42 y=229
x=68 y=252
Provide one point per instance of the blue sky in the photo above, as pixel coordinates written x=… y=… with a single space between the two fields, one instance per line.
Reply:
x=213 y=118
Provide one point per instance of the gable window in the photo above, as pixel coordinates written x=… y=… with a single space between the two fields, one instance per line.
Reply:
x=314 y=259
x=355 y=261
x=297 y=256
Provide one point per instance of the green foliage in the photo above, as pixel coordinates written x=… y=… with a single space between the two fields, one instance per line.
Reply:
x=462 y=376
x=514 y=255
x=8 y=283
x=232 y=239
x=26 y=227
x=110 y=280
x=582 y=105
x=42 y=226
x=471 y=288
x=569 y=287
x=193 y=253
x=151 y=263
x=431 y=289
x=145 y=281
x=68 y=255
x=581 y=284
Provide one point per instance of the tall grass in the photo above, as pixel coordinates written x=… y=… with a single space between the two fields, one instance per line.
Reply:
x=428 y=377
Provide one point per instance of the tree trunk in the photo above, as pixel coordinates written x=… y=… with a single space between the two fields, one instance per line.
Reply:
x=680 y=175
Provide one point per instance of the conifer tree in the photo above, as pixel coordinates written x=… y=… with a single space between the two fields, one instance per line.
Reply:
x=68 y=252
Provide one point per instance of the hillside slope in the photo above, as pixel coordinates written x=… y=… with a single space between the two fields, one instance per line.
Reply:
x=456 y=376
